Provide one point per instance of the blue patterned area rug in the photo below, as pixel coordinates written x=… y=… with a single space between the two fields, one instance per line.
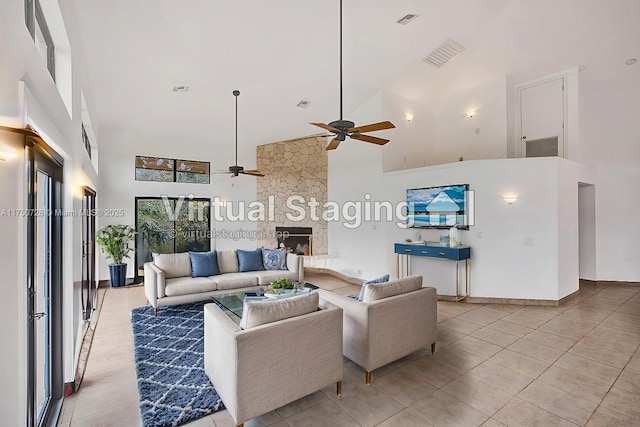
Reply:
x=169 y=354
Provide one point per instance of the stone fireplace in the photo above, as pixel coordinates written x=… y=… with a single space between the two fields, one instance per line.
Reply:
x=293 y=168
x=298 y=240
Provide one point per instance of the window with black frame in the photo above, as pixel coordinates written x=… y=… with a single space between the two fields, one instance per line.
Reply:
x=170 y=225
x=160 y=169
x=39 y=30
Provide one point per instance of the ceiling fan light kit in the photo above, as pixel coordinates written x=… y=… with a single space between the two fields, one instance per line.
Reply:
x=346 y=128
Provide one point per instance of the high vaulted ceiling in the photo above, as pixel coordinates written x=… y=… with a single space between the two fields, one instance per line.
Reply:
x=279 y=52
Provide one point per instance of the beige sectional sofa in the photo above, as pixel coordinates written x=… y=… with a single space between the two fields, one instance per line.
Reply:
x=168 y=281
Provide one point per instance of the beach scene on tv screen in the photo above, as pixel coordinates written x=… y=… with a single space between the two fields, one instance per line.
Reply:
x=436 y=206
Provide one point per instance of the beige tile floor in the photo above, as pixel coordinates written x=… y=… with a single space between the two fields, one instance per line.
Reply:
x=577 y=364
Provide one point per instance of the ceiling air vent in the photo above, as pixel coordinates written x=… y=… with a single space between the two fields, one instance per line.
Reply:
x=443 y=53
x=406 y=19
x=303 y=104
x=181 y=88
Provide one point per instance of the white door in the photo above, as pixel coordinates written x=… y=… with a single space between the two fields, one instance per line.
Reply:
x=542 y=119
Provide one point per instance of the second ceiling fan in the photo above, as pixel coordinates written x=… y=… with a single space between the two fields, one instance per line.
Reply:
x=235 y=170
x=346 y=128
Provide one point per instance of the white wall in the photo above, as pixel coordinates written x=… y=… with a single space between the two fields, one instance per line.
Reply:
x=13 y=305
x=482 y=136
x=610 y=133
x=119 y=187
x=502 y=265
x=440 y=131
x=36 y=101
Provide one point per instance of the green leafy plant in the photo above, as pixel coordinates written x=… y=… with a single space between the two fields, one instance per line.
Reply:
x=282 y=284
x=114 y=241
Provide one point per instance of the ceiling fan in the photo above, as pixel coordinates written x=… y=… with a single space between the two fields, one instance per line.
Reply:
x=235 y=170
x=346 y=128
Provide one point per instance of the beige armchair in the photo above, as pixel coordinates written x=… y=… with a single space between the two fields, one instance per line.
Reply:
x=262 y=368
x=383 y=330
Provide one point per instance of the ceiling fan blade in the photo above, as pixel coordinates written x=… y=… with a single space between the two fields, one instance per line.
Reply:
x=369 y=138
x=333 y=144
x=373 y=127
x=252 y=172
x=326 y=127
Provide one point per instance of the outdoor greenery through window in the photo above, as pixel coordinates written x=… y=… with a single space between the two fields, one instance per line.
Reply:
x=171 y=225
x=171 y=170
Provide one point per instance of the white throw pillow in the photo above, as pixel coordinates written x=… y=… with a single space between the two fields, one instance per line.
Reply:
x=228 y=262
x=173 y=265
x=256 y=313
x=379 y=291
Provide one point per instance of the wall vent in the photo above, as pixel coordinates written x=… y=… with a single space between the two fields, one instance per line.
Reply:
x=181 y=88
x=303 y=104
x=443 y=53
x=406 y=19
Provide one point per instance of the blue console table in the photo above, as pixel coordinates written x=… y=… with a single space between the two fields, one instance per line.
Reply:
x=405 y=251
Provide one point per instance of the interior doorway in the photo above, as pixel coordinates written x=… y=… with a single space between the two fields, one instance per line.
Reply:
x=587 y=231
x=542 y=118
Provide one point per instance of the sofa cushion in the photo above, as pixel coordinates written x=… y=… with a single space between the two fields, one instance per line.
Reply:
x=380 y=279
x=188 y=285
x=204 y=264
x=228 y=262
x=256 y=313
x=250 y=260
x=173 y=265
x=378 y=291
x=234 y=280
x=274 y=259
x=267 y=276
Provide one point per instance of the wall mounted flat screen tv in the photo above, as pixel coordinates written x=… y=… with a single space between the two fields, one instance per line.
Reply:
x=438 y=207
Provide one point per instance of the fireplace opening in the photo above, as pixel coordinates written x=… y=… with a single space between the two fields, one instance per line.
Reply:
x=297 y=240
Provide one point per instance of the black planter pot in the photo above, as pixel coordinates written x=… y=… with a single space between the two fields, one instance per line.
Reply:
x=118 y=274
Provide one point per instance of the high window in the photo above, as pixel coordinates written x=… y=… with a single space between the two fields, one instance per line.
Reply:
x=39 y=30
x=86 y=141
x=171 y=170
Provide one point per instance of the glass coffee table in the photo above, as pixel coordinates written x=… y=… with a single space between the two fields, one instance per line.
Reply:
x=232 y=302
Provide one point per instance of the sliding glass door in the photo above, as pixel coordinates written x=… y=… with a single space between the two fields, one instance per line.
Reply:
x=44 y=286
x=169 y=225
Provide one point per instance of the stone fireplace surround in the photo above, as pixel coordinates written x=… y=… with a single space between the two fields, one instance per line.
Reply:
x=294 y=167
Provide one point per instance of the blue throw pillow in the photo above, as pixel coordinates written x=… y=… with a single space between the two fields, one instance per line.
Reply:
x=274 y=259
x=380 y=279
x=204 y=264
x=250 y=260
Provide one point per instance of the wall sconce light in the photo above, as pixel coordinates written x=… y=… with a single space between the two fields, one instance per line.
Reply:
x=409 y=117
x=510 y=199
x=4 y=156
x=471 y=113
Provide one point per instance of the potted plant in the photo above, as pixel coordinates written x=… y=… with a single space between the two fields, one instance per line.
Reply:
x=281 y=286
x=114 y=242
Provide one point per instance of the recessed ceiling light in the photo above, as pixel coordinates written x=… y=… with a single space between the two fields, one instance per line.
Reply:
x=631 y=61
x=181 y=88
x=303 y=104
x=407 y=18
